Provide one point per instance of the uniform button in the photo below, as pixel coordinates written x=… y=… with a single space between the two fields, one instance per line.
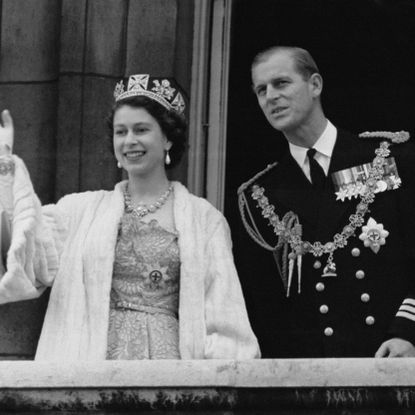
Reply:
x=328 y=331
x=360 y=274
x=324 y=309
x=320 y=286
x=355 y=251
x=370 y=320
x=365 y=297
x=317 y=264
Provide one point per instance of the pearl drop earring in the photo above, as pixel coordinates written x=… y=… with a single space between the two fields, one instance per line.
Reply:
x=167 y=159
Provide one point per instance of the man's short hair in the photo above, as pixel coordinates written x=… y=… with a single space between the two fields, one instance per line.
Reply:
x=303 y=61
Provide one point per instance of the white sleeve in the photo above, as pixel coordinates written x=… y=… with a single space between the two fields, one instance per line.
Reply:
x=36 y=242
x=229 y=334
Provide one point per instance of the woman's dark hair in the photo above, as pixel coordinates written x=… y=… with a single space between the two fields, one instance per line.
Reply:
x=172 y=124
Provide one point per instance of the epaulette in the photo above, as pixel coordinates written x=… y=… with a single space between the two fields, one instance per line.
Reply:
x=395 y=137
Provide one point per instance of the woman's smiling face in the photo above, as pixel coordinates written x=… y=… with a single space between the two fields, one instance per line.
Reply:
x=139 y=142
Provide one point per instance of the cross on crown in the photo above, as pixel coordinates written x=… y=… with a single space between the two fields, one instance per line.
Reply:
x=163 y=90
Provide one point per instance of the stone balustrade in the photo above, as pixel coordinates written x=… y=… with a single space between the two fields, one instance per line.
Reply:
x=289 y=386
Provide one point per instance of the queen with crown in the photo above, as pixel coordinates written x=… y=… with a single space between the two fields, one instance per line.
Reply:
x=141 y=272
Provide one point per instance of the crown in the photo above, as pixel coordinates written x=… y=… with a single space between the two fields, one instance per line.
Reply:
x=163 y=90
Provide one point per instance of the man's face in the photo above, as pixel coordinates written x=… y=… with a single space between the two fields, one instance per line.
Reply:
x=286 y=99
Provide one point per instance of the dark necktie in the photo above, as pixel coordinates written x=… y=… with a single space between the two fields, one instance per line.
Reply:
x=318 y=177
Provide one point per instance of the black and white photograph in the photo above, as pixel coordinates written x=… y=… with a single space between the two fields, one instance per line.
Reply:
x=207 y=206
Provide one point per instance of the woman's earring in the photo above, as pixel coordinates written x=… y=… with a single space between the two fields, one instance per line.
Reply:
x=167 y=160
x=118 y=164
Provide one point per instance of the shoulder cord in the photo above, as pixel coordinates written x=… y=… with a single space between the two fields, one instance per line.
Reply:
x=290 y=218
x=253 y=231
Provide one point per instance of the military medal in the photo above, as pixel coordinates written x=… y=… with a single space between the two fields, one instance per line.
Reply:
x=350 y=183
x=373 y=235
x=289 y=230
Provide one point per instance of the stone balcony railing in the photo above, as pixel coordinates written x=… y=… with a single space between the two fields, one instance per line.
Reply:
x=303 y=386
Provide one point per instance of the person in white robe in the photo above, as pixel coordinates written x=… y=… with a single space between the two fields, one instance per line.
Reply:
x=74 y=247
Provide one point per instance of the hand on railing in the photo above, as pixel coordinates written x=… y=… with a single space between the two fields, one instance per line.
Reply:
x=6 y=133
x=396 y=347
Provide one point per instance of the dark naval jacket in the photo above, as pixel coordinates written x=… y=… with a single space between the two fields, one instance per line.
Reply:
x=345 y=316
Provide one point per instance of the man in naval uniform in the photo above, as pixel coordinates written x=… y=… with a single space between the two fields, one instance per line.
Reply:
x=327 y=260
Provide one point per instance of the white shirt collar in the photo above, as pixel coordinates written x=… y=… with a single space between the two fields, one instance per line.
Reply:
x=324 y=149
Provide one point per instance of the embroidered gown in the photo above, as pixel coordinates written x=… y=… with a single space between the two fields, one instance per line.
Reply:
x=143 y=321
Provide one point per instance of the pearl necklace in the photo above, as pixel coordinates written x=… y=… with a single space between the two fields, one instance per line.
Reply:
x=142 y=210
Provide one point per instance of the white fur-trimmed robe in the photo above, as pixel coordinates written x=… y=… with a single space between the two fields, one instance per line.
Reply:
x=70 y=246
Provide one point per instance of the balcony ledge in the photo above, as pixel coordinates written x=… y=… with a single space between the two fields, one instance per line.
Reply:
x=214 y=385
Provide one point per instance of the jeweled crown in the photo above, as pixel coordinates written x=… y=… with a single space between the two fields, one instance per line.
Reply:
x=163 y=90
